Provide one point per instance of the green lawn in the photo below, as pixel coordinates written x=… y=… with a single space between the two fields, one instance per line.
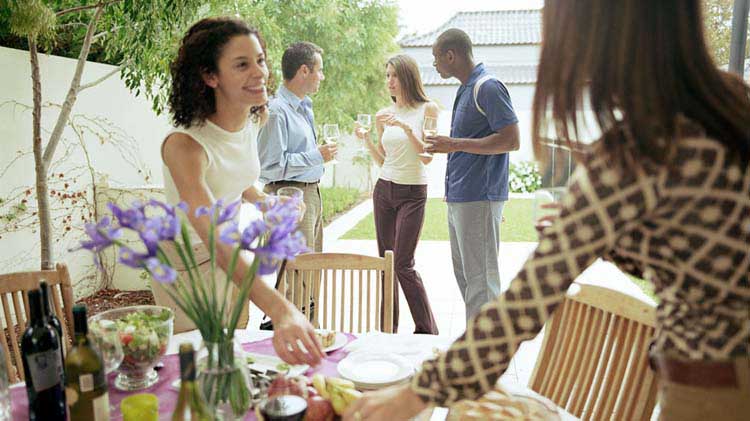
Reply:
x=518 y=225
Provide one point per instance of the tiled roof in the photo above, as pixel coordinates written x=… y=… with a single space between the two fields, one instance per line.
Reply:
x=515 y=74
x=500 y=27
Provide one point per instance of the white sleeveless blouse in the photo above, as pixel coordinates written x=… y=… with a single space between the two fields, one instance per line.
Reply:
x=401 y=164
x=233 y=163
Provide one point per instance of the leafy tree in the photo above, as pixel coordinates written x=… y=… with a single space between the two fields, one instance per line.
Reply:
x=128 y=25
x=717 y=15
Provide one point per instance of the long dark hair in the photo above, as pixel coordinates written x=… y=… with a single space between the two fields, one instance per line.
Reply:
x=407 y=73
x=647 y=73
x=191 y=101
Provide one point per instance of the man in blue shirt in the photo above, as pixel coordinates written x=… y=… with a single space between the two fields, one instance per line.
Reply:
x=289 y=154
x=484 y=128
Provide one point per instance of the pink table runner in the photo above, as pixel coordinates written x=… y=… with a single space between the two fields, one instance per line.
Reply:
x=171 y=372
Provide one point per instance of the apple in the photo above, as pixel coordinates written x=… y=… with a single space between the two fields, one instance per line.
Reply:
x=318 y=409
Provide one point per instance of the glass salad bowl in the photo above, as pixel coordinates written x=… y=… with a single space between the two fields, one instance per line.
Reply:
x=143 y=333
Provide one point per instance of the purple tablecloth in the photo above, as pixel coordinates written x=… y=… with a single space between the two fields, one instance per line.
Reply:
x=163 y=388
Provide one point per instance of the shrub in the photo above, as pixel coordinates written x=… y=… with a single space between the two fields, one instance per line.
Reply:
x=337 y=200
x=524 y=177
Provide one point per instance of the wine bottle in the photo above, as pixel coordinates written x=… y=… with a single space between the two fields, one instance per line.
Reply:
x=190 y=403
x=42 y=365
x=86 y=385
x=51 y=317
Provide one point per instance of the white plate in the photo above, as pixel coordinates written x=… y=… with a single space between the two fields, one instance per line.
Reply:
x=263 y=362
x=340 y=341
x=371 y=370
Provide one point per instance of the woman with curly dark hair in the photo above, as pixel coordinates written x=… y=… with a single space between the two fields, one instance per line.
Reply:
x=218 y=102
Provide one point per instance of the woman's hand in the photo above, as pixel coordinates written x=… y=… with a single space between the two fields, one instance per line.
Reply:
x=361 y=132
x=546 y=221
x=380 y=119
x=294 y=338
x=393 y=403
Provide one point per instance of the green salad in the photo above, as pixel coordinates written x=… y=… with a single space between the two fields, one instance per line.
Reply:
x=143 y=336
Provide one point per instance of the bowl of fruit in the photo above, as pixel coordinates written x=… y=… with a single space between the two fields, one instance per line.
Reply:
x=143 y=333
x=327 y=397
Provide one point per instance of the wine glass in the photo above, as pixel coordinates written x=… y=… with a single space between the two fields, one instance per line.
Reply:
x=330 y=137
x=365 y=123
x=107 y=341
x=429 y=128
x=546 y=205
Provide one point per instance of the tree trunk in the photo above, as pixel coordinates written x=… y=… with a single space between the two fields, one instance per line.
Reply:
x=42 y=195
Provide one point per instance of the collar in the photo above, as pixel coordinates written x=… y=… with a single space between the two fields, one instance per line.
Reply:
x=475 y=74
x=293 y=99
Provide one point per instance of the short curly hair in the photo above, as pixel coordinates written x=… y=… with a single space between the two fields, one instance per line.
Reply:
x=191 y=101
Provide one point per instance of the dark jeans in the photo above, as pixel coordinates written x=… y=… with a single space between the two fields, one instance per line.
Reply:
x=399 y=215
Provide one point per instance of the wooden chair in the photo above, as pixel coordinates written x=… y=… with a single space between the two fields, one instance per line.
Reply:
x=594 y=359
x=347 y=288
x=14 y=302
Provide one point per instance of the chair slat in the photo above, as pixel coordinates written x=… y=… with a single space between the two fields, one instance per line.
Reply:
x=325 y=299
x=369 y=290
x=359 y=318
x=343 y=297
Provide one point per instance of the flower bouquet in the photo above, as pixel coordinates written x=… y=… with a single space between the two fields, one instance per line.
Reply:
x=271 y=239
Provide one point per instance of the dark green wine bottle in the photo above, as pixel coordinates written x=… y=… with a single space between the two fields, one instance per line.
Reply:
x=42 y=365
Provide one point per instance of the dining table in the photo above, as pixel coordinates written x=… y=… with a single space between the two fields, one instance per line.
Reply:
x=414 y=347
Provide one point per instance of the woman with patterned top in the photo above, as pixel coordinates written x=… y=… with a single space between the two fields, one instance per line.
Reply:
x=400 y=194
x=664 y=194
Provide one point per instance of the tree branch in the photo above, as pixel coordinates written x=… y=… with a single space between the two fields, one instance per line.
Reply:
x=100 y=80
x=86 y=7
x=70 y=98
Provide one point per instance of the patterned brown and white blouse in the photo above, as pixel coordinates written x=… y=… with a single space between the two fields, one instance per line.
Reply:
x=686 y=229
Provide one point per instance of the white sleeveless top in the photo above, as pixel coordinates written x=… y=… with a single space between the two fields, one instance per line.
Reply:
x=233 y=163
x=401 y=164
x=233 y=166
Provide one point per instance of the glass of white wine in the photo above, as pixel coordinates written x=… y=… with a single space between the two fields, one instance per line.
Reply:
x=330 y=137
x=365 y=124
x=429 y=128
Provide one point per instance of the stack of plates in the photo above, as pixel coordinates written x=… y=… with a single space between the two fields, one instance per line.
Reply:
x=373 y=370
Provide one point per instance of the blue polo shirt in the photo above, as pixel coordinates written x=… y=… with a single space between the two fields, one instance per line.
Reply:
x=470 y=177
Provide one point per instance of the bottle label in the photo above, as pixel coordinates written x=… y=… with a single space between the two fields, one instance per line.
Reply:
x=101 y=407
x=46 y=369
x=87 y=382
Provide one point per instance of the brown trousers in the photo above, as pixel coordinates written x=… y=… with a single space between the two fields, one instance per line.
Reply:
x=681 y=402
x=399 y=215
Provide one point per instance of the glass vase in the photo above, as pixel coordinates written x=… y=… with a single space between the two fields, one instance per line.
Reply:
x=225 y=380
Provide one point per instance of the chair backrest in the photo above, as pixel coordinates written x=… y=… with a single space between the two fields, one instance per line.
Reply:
x=354 y=290
x=594 y=359
x=14 y=304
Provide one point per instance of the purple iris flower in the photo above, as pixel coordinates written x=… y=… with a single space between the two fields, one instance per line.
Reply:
x=267 y=265
x=132 y=217
x=101 y=235
x=150 y=235
x=132 y=258
x=230 y=234
x=228 y=213
x=160 y=272
x=254 y=230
